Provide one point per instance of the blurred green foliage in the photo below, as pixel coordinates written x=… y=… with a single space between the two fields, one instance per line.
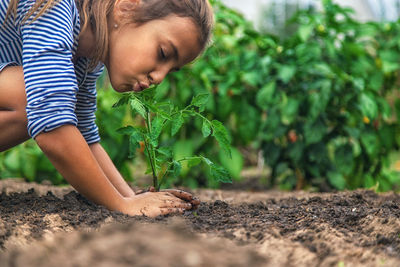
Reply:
x=328 y=121
x=317 y=103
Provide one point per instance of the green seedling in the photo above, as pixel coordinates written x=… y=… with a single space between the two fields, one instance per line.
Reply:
x=155 y=117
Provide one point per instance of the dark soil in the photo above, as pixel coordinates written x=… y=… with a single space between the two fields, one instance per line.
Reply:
x=359 y=228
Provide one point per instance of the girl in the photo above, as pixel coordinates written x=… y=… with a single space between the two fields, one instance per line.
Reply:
x=52 y=52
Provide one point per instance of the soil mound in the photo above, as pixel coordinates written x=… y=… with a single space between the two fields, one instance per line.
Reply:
x=359 y=228
x=133 y=244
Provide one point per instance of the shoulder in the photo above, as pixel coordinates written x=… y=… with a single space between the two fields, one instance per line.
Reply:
x=61 y=10
x=58 y=26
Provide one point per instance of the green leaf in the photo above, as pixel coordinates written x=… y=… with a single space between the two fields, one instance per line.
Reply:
x=177 y=122
x=305 y=32
x=368 y=181
x=318 y=100
x=314 y=132
x=28 y=165
x=12 y=160
x=221 y=135
x=265 y=95
x=176 y=168
x=156 y=127
x=133 y=145
x=207 y=161
x=233 y=165
x=286 y=73
x=371 y=143
x=251 y=78
x=295 y=151
x=344 y=159
x=134 y=142
x=182 y=149
x=220 y=174
x=390 y=60
x=337 y=180
x=376 y=81
x=162 y=109
x=137 y=135
x=191 y=162
x=126 y=130
x=289 y=110
x=368 y=106
x=248 y=122
x=138 y=107
x=200 y=101
x=206 y=128
x=166 y=151
x=122 y=101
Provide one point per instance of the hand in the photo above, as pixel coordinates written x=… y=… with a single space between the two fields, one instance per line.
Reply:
x=153 y=204
x=194 y=201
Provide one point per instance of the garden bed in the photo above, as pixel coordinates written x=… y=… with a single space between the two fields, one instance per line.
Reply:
x=42 y=225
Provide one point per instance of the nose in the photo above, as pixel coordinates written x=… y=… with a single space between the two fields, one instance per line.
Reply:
x=157 y=76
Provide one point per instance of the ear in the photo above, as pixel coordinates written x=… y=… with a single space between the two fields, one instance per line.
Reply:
x=123 y=9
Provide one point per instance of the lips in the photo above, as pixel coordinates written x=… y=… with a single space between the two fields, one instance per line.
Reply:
x=140 y=87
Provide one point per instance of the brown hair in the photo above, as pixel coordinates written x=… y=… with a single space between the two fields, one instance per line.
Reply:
x=96 y=12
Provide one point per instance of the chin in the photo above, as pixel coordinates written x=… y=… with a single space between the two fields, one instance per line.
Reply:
x=117 y=87
x=121 y=90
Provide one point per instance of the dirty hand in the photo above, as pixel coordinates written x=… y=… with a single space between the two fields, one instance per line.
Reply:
x=194 y=201
x=153 y=204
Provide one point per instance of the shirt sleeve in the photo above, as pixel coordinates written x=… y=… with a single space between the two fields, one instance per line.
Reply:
x=87 y=105
x=50 y=80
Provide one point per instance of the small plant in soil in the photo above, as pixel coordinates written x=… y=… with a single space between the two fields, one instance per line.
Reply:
x=155 y=117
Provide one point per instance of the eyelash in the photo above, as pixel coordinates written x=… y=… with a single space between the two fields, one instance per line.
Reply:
x=162 y=54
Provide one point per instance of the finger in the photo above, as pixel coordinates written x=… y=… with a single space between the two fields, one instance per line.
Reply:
x=179 y=193
x=195 y=201
x=151 y=189
x=141 y=191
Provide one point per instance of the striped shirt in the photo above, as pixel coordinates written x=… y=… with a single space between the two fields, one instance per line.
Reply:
x=59 y=90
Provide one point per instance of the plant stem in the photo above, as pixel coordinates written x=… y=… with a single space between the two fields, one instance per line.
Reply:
x=150 y=150
x=198 y=114
x=188 y=158
x=163 y=177
x=146 y=144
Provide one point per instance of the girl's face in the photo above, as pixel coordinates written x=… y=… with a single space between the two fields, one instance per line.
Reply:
x=142 y=55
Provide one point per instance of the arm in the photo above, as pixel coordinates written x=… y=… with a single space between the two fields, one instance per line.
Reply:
x=67 y=150
x=69 y=153
x=110 y=170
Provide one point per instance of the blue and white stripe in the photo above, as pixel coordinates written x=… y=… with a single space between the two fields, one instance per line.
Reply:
x=59 y=90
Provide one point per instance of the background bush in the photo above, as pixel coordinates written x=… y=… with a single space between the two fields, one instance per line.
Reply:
x=319 y=104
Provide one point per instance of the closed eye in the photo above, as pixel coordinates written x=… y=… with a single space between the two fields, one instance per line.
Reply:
x=163 y=56
x=175 y=70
